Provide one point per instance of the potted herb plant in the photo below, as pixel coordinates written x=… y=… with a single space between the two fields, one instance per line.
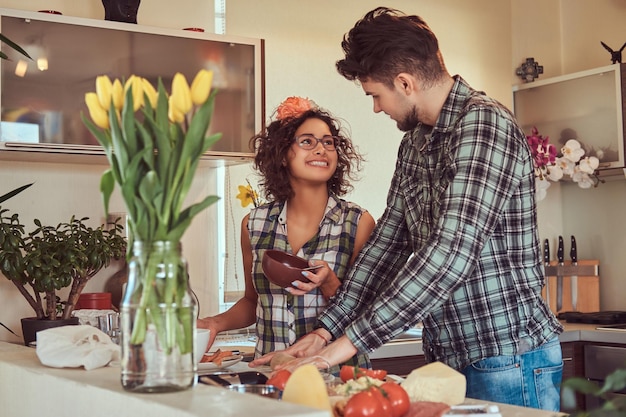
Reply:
x=50 y=258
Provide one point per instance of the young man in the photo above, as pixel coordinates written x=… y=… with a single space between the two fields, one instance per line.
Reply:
x=457 y=246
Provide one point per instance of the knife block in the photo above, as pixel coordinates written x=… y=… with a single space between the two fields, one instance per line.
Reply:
x=588 y=286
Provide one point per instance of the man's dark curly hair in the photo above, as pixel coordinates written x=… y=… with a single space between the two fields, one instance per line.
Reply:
x=386 y=42
x=272 y=145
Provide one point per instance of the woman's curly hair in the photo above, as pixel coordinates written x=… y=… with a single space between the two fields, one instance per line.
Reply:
x=272 y=145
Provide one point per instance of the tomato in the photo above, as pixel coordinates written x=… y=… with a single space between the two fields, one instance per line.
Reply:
x=384 y=402
x=376 y=373
x=367 y=404
x=397 y=397
x=347 y=372
x=279 y=379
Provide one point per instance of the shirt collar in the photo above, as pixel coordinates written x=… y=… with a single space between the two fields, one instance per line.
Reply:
x=452 y=107
x=333 y=211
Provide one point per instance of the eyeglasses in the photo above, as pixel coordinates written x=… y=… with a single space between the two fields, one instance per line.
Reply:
x=309 y=142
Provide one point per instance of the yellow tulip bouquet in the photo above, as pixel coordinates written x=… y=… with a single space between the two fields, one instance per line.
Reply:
x=153 y=142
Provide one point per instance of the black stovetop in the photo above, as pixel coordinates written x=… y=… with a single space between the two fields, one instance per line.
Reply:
x=600 y=317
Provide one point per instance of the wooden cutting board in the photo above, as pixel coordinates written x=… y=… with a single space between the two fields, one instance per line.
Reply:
x=588 y=290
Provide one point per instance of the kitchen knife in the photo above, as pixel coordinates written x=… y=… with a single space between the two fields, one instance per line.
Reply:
x=559 y=276
x=574 y=278
x=546 y=262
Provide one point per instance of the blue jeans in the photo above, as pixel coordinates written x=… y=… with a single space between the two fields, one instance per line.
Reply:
x=532 y=379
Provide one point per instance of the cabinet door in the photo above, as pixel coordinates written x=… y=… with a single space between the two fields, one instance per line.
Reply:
x=401 y=366
x=573 y=366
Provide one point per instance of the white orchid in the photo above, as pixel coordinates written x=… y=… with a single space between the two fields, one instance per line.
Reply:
x=589 y=164
x=555 y=172
x=583 y=179
x=572 y=150
x=566 y=165
x=541 y=188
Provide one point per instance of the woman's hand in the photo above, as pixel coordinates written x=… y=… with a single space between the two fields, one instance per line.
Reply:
x=308 y=345
x=323 y=277
x=335 y=353
x=208 y=323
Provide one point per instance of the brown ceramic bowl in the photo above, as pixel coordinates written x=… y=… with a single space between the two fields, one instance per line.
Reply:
x=282 y=268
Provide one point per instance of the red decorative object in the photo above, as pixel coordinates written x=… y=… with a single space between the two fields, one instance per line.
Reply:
x=94 y=300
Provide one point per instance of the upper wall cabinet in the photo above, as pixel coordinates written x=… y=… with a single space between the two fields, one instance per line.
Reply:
x=42 y=100
x=587 y=106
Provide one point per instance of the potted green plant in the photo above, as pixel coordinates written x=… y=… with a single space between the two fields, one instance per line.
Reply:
x=4 y=198
x=50 y=258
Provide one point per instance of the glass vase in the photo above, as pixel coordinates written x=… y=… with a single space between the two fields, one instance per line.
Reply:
x=158 y=320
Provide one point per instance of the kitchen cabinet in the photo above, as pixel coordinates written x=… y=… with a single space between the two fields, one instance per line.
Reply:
x=587 y=106
x=591 y=360
x=600 y=362
x=42 y=100
x=401 y=366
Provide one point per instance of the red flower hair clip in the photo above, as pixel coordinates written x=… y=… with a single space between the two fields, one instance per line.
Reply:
x=294 y=107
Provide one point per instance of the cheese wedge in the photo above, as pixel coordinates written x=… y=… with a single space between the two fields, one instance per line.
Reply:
x=306 y=387
x=436 y=382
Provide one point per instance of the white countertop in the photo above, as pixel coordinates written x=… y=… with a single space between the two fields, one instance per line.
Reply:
x=573 y=332
x=28 y=389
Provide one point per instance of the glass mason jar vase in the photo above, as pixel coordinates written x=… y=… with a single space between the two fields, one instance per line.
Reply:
x=158 y=321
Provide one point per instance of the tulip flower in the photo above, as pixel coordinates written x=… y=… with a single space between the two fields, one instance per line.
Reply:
x=98 y=114
x=173 y=113
x=136 y=86
x=181 y=95
x=149 y=91
x=104 y=89
x=201 y=86
x=118 y=95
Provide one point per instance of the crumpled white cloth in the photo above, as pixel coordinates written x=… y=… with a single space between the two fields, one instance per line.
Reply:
x=76 y=346
x=90 y=316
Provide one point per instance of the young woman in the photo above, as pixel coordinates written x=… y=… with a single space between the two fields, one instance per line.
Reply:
x=306 y=165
